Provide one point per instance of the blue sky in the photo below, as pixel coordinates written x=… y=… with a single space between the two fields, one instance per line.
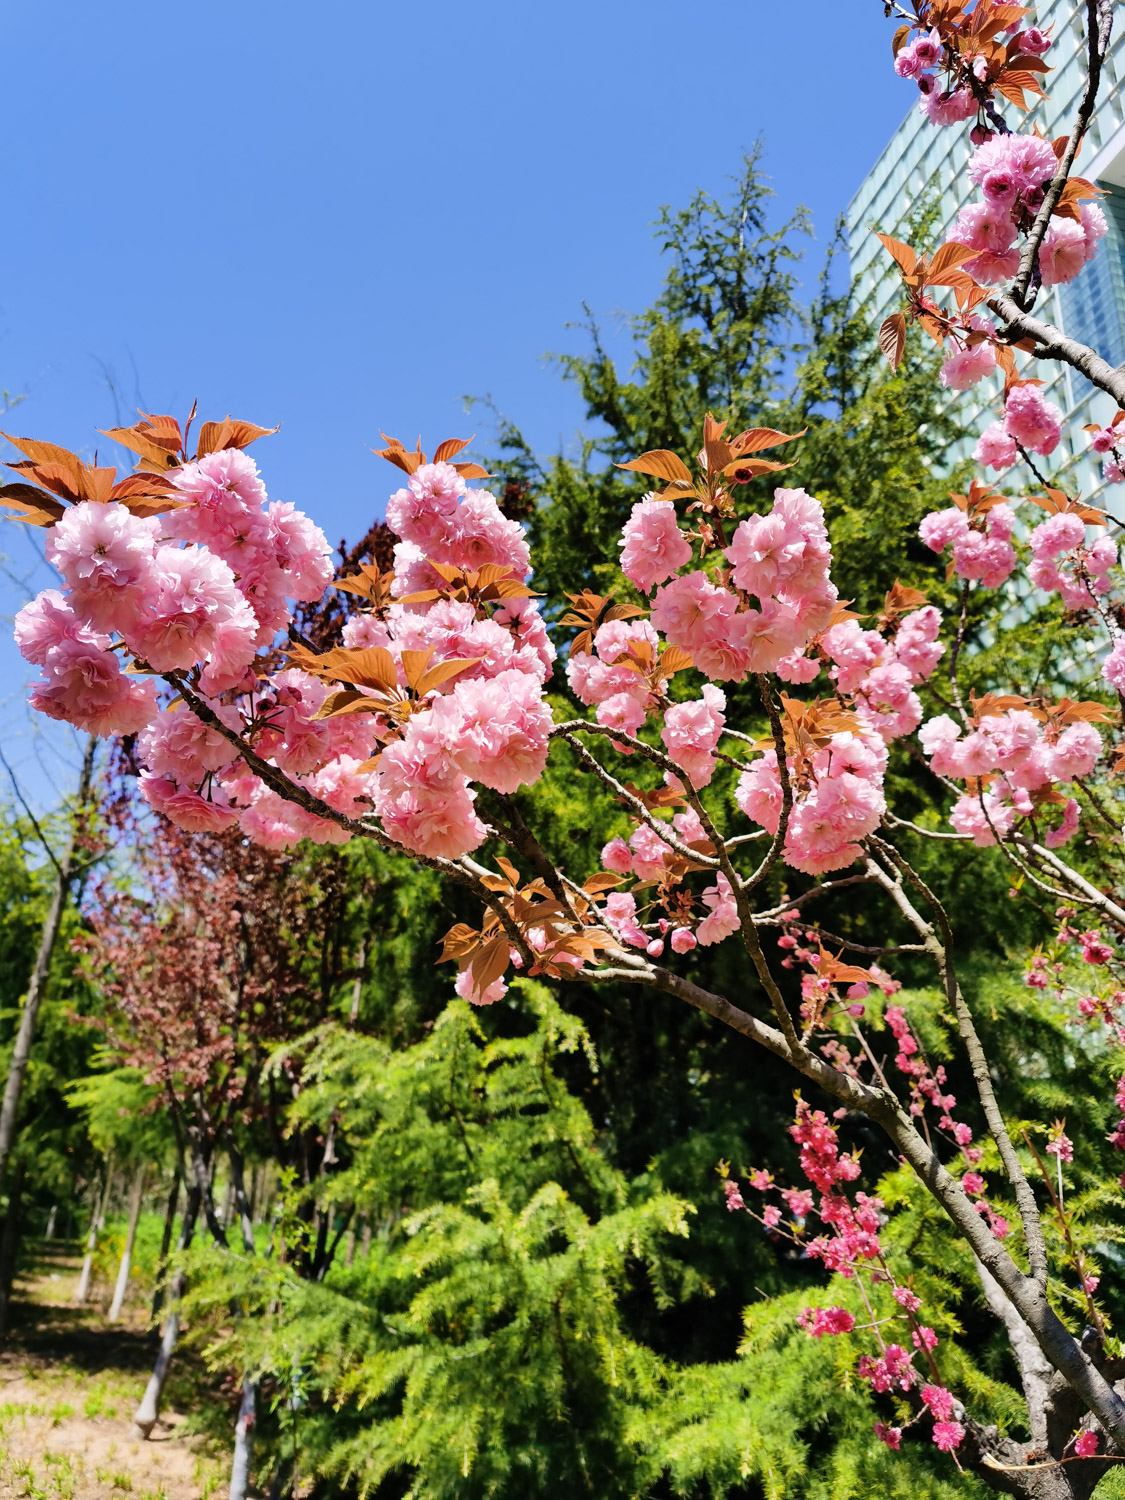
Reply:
x=345 y=217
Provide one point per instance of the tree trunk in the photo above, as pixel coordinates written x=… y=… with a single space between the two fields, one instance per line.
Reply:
x=248 y=1410
x=135 y=1200
x=365 y=1241
x=165 y=1246
x=149 y=1409
x=9 y=1246
x=349 y=1249
x=97 y=1219
x=357 y=987
x=49 y=1233
x=21 y=1052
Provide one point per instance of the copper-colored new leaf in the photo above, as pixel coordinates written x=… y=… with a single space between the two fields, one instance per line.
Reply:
x=906 y=258
x=346 y=701
x=449 y=449
x=892 y=338
x=414 y=665
x=742 y=470
x=659 y=464
x=442 y=673
x=754 y=439
x=402 y=458
x=34 y=506
x=458 y=941
x=215 y=436
x=604 y=880
x=948 y=257
x=489 y=964
x=675 y=659
x=367 y=666
x=151 y=451
x=472 y=471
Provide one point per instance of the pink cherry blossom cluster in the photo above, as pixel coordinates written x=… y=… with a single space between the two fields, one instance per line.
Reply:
x=1063 y=563
x=203 y=589
x=982 y=545
x=1030 y=421
x=969 y=78
x=1021 y=758
x=1013 y=172
x=781 y=558
x=880 y=672
x=840 y=803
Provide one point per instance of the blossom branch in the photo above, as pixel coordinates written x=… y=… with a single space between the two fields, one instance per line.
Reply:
x=1099 y=24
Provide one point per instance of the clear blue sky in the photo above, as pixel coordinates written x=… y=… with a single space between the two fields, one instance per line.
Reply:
x=343 y=217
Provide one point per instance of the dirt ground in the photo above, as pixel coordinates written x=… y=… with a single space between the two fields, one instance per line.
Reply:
x=68 y=1389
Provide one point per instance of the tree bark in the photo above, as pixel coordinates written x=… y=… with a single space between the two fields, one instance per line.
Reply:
x=9 y=1246
x=165 y=1246
x=21 y=1052
x=97 y=1219
x=248 y=1409
x=146 y=1414
x=135 y=1200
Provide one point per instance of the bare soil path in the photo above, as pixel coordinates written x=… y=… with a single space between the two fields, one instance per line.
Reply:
x=68 y=1388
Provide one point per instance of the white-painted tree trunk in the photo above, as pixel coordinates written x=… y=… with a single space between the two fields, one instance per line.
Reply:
x=124 y=1268
x=97 y=1219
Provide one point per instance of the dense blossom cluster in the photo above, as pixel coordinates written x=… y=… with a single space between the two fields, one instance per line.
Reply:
x=847 y=1242
x=1013 y=173
x=206 y=587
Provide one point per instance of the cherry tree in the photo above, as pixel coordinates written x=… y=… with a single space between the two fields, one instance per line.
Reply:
x=419 y=726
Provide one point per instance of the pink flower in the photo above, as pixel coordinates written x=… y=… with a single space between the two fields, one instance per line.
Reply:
x=653 y=545
x=996 y=448
x=105 y=554
x=1113 y=668
x=423 y=512
x=892 y=1436
x=735 y=1200
x=691 y=732
x=786 y=551
x=939 y=1400
x=496 y=730
x=817 y=1321
x=948 y=1435
x=193 y=593
x=617 y=857
x=907 y=1299
x=723 y=913
x=85 y=685
x=916 y=643
x=965 y=367
x=300 y=550
x=1086 y=1444
x=621 y=711
x=185 y=808
x=1064 y=251
x=466 y=987
x=1033 y=41
x=949 y=108
x=621 y=914
x=682 y=940
x=1031 y=420
x=1027 y=159
x=182 y=746
x=48 y=621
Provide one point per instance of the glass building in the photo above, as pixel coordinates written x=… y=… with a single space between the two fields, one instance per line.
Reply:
x=925 y=163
